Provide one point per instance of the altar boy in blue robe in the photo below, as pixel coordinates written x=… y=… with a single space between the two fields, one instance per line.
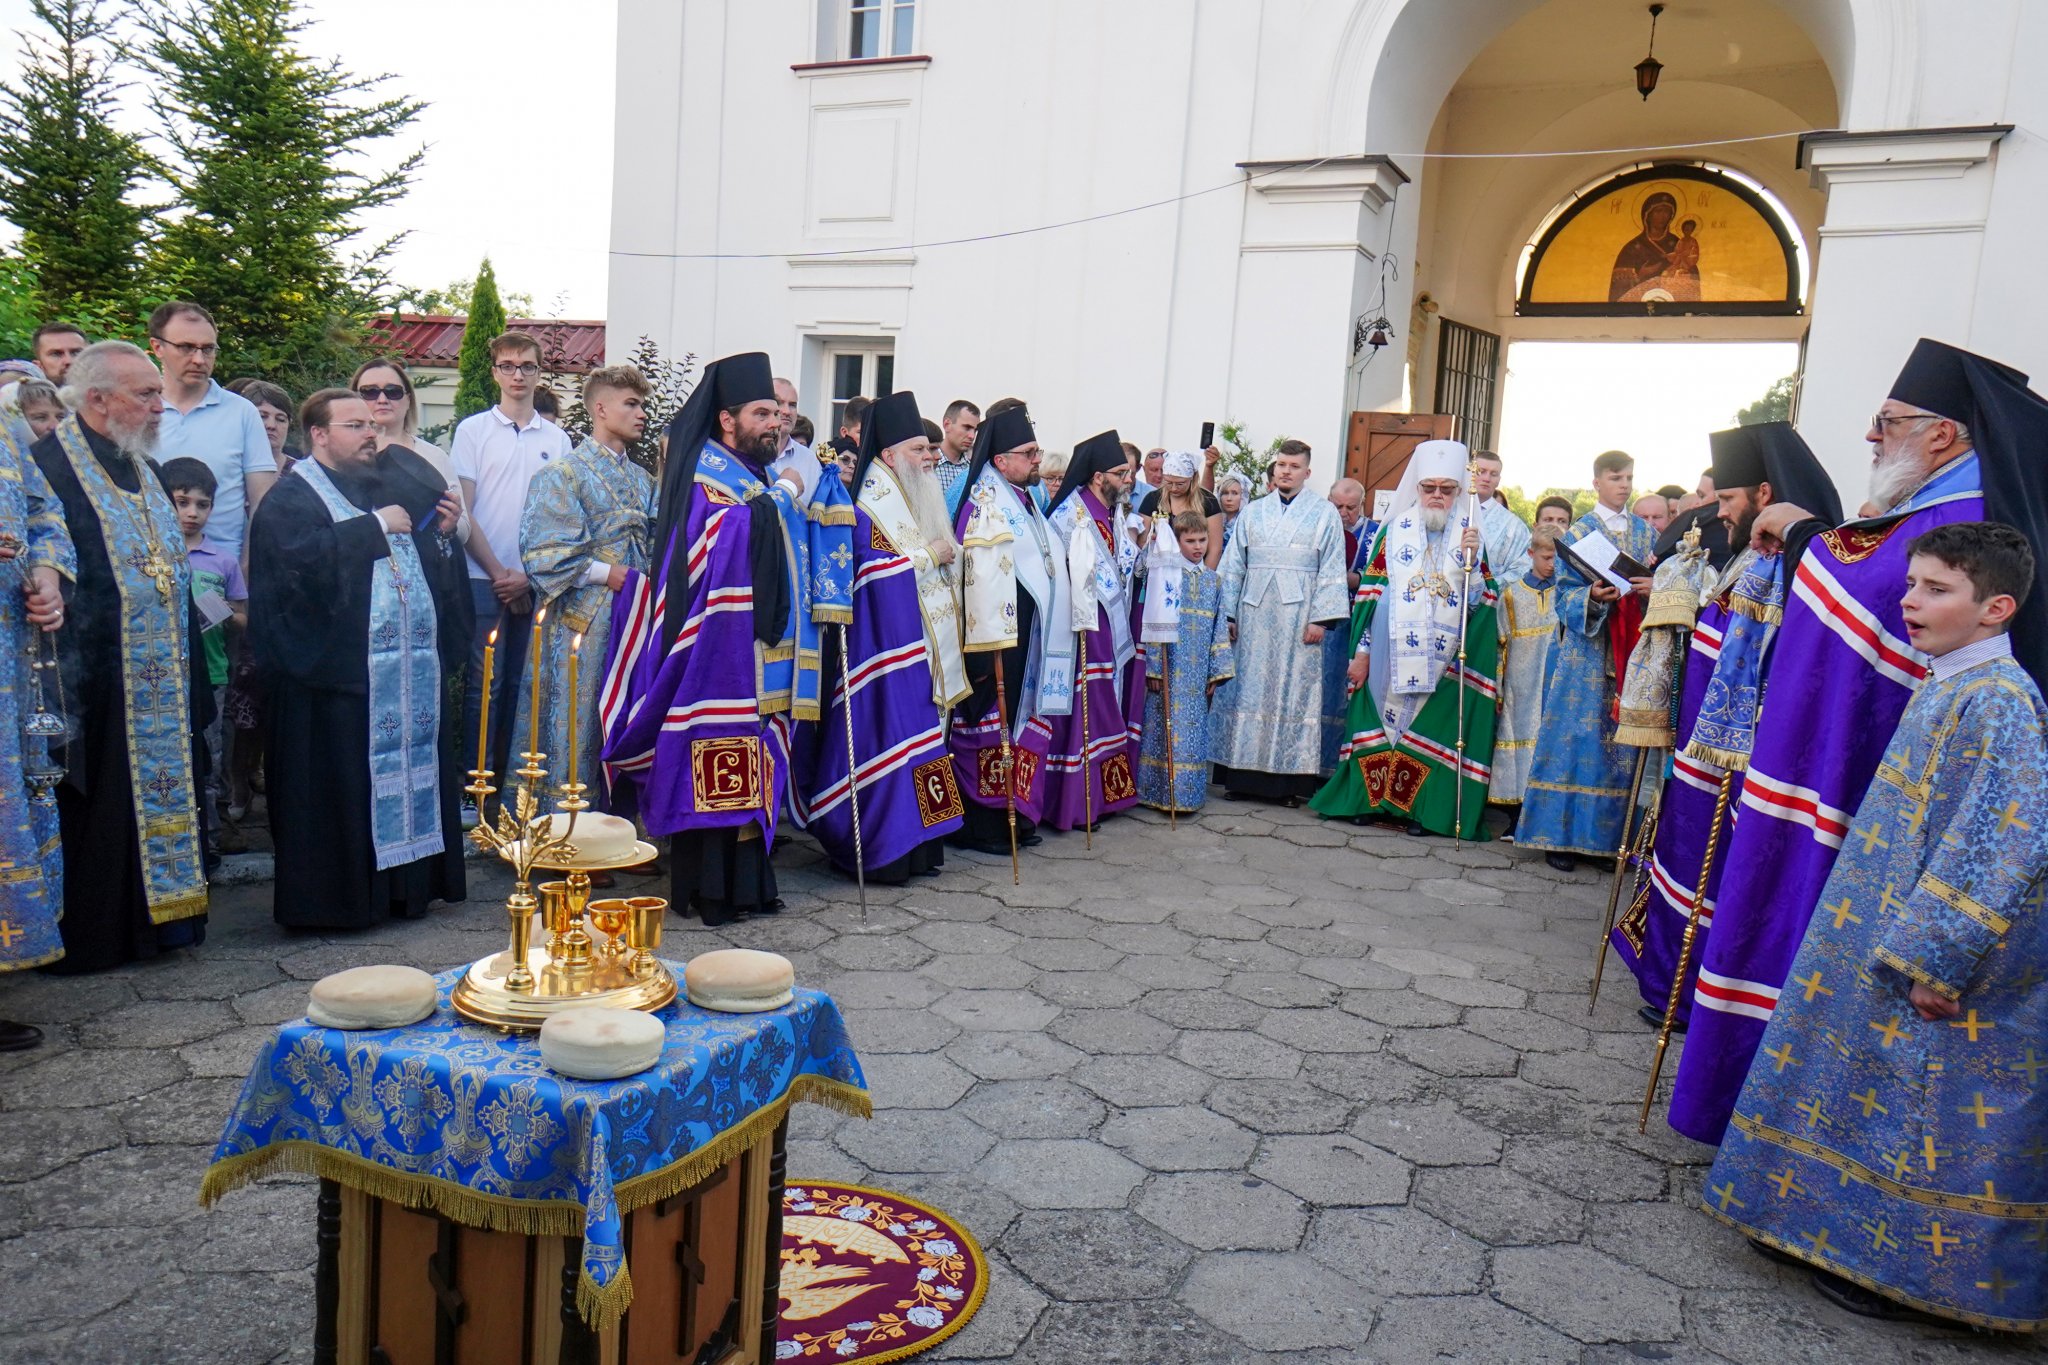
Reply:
x=1890 y=1131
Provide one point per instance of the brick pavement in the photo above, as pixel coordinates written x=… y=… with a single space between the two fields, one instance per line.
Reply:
x=1261 y=1089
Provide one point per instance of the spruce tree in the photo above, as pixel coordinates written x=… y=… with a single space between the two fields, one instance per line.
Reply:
x=474 y=389
x=67 y=175
x=264 y=144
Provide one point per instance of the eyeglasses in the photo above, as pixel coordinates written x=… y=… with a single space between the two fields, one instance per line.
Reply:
x=1880 y=421
x=508 y=369
x=189 y=349
x=353 y=428
x=370 y=393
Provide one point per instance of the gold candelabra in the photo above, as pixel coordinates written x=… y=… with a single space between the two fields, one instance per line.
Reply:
x=518 y=989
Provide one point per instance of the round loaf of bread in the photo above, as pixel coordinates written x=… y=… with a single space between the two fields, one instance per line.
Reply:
x=739 y=980
x=599 y=1044
x=371 y=997
x=599 y=838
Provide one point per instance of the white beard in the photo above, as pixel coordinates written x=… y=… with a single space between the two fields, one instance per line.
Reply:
x=1891 y=479
x=1434 y=519
x=138 y=445
x=927 y=499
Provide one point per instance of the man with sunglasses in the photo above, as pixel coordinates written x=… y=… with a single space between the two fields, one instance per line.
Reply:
x=496 y=453
x=205 y=421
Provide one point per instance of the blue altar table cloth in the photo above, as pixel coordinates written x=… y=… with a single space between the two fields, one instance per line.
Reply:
x=470 y=1122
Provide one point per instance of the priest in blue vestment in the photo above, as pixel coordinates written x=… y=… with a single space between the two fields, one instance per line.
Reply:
x=33 y=537
x=1578 y=786
x=128 y=805
x=1890 y=1131
x=888 y=693
x=720 y=639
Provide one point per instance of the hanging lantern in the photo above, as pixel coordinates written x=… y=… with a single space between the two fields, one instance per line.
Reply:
x=1648 y=68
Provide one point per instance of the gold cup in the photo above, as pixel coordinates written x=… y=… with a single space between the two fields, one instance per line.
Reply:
x=643 y=931
x=610 y=917
x=557 y=913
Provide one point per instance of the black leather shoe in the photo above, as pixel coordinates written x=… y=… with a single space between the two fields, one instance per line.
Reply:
x=19 y=1037
x=1563 y=862
x=1863 y=1303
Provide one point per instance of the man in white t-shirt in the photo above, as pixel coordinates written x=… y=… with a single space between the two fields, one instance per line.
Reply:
x=496 y=453
x=221 y=430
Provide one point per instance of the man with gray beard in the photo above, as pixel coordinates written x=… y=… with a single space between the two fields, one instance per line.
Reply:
x=127 y=813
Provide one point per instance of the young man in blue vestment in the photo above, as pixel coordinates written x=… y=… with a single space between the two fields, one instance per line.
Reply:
x=1890 y=1130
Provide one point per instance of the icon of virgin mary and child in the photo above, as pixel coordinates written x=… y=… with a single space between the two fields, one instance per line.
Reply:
x=1657 y=265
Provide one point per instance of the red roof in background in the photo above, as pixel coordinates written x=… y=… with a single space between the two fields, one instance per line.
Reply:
x=567 y=346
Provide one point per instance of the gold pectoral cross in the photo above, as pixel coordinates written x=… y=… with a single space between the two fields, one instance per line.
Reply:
x=156 y=568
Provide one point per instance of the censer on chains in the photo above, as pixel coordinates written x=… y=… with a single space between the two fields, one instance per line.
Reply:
x=519 y=988
x=42 y=726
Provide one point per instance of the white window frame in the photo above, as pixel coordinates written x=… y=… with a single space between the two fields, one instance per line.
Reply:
x=835 y=29
x=871 y=352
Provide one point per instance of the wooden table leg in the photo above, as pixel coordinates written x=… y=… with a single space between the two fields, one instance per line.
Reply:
x=579 y=1343
x=326 y=1271
x=771 y=1288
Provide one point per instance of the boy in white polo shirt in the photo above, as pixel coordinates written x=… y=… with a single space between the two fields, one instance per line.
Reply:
x=496 y=453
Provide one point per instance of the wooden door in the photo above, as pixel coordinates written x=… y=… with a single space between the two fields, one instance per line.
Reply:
x=1377 y=453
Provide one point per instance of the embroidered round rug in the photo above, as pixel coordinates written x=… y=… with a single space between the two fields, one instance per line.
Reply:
x=869 y=1276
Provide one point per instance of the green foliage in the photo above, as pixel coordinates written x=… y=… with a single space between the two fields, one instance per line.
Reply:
x=1524 y=505
x=1774 y=406
x=455 y=299
x=476 y=390
x=22 y=310
x=1239 y=456
x=262 y=144
x=67 y=176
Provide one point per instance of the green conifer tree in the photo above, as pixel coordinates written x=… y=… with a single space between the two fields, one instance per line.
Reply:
x=266 y=148
x=67 y=176
x=474 y=390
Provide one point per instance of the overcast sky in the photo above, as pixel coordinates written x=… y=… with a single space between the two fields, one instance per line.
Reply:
x=518 y=131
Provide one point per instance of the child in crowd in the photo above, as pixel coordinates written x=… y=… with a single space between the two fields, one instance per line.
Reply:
x=1914 y=1013
x=1528 y=624
x=39 y=405
x=1181 y=680
x=222 y=596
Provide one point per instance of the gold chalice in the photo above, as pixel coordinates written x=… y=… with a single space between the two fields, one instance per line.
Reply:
x=609 y=917
x=643 y=931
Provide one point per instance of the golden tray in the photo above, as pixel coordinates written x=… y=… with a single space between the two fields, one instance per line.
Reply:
x=482 y=996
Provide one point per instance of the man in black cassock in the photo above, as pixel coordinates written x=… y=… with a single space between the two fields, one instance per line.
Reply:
x=358 y=604
x=127 y=807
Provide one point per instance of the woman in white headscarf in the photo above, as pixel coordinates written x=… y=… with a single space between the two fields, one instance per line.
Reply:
x=1179 y=492
x=1233 y=491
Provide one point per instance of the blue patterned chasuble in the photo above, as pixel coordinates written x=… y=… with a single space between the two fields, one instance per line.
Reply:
x=1912 y=1156
x=589 y=507
x=31 y=860
x=1200 y=655
x=405 y=693
x=147 y=553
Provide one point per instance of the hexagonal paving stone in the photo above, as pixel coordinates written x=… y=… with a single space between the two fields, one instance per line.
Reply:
x=1008 y=1312
x=1470 y=1328
x=884 y=990
x=996 y=1011
x=1113 y=1031
x=1423 y=962
x=1499 y=1206
x=1237 y=1056
x=1086 y=990
x=1464 y=990
x=1013 y=1056
x=951 y=937
x=1202 y=1009
x=1144 y=938
x=914 y=1140
x=914 y=1081
x=1049 y=923
x=1180 y=1138
x=1433 y=1134
x=77 y=1080
x=1281 y=990
x=1171 y=973
x=1266 y=1106
x=1453 y=1052
x=1586 y=1168
x=980 y=971
x=1398 y=1251
x=1033 y=1109
x=898 y=1031
x=1354 y=973
x=876 y=953
x=1215 y=1211
x=1280 y=1301
x=1586 y=1295
x=1323 y=1030
x=1241 y=956
x=1093 y=1256
x=1136 y=1081
x=1401 y=1008
x=1061 y=1174
x=1333 y=1170
x=1068 y=955
x=1156 y=1332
